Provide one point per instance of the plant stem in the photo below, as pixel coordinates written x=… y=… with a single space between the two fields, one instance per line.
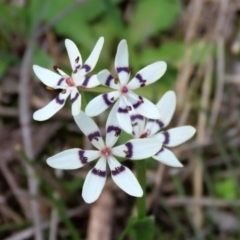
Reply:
x=141 y=176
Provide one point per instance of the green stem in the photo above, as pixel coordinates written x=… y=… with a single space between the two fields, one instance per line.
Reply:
x=141 y=176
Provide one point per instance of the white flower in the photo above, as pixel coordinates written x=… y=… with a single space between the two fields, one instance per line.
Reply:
x=127 y=99
x=69 y=84
x=134 y=150
x=169 y=138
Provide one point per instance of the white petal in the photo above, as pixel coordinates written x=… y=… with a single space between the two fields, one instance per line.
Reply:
x=124 y=178
x=73 y=54
x=121 y=62
x=176 y=136
x=137 y=123
x=72 y=158
x=123 y=116
x=113 y=129
x=101 y=103
x=143 y=106
x=138 y=148
x=50 y=78
x=166 y=106
x=167 y=157
x=90 y=129
x=51 y=108
x=106 y=79
x=148 y=75
x=90 y=81
x=94 y=182
x=93 y=58
x=76 y=102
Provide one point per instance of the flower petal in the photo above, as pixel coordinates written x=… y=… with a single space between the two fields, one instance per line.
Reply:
x=166 y=106
x=121 y=62
x=92 y=59
x=143 y=106
x=73 y=54
x=138 y=148
x=167 y=157
x=76 y=102
x=90 y=129
x=176 y=136
x=51 y=108
x=72 y=158
x=148 y=75
x=137 y=123
x=101 y=103
x=124 y=178
x=95 y=181
x=89 y=81
x=113 y=129
x=123 y=115
x=106 y=79
x=50 y=78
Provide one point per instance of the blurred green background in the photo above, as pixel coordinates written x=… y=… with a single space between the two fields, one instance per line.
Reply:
x=199 y=40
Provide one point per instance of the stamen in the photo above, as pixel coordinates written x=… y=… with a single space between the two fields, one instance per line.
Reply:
x=117 y=169
x=106 y=151
x=135 y=124
x=49 y=88
x=112 y=99
x=129 y=108
x=130 y=70
x=144 y=135
x=70 y=81
x=116 y=80
x=75 y=71
x=77 y=60
x=95 y=138
x=64 y=91
x=117 y=133
x=56 y=68
x=126 y=152
x=124 y=89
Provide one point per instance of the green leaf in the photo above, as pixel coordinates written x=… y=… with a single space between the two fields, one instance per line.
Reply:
x=41 y=58
x=3 y=67
x=152 y=16
x=140 y=229
x=226 y=189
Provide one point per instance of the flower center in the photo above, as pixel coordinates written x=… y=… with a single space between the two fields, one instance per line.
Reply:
x=124 y=89
x=144 y=135
x=106 y=152
x=70 y=81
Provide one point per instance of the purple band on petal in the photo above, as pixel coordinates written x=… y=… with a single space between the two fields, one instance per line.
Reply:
x=114 y=128
x=122 y=110
x=130 y=150
x=161 y=150
x=86 y=80
x=75 y=98
x=82 y=158
x=141 y=80
x=78 y=67
x=99 y=172
x=118 y=170
x=60 y=101
x=123 y=69
x=136 y=116
x=136 y=105
x=109 y=79
x=86 y=67
x=160 y=123
x=60 y=81
x=105 y=98
x=93 y=135
x=167 y=138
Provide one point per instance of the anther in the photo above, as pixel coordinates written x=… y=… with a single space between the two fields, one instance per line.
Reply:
x=135 y=124
x=75 y=71
x=95 y=138
x=112 y=99
x=117 y=133
x=117 y=169
x=130 y=70
x=56 y=68
x=77 y=60
x=64 y=91
x=84 y=158
x=128 y=108
x=126 y=152
x=116 y=80
x=49 y=88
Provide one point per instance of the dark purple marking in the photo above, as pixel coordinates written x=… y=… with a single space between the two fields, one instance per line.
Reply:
x=123 y=69
x=105 y=98
x=130 y=150
x=141 y=80
x=160 y=123
x=86 y=80
x=82 y=158
x=78 y=67
x=136 y=105
x=93 y=135
x=122 y=110
x=86 y=67
x=60 y=81
x=116 y=129
x=99 y=172
x=60 y=101
x=109 y=79
x=118 y=170
x=75 y=98
x=167 y=138
x=161 y=150
x=136 y=116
